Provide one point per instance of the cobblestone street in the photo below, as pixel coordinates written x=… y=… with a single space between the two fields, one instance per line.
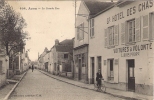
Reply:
x=37 y=86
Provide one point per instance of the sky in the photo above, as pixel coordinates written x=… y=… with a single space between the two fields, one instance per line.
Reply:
x=52 y=20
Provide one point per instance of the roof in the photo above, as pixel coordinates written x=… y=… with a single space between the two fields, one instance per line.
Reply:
x=66 y=42
x=96 y=6
x=65 y=46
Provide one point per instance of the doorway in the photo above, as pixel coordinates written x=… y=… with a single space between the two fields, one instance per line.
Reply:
x=79 y=69
x=131 y=75
x=93 y=69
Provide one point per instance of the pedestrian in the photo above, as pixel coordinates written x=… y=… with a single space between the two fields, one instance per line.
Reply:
x=98 y=78
x=32 y=67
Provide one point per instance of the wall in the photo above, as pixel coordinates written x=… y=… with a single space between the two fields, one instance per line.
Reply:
x=5 y=66
x=51 y=65
x=143 y=58
x=80 y=19
x=84 y=70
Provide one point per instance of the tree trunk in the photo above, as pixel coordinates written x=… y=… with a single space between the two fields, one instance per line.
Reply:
x=7 y=50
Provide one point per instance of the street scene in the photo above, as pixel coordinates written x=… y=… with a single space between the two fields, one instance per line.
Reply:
x=76 y=49
x=38 y=86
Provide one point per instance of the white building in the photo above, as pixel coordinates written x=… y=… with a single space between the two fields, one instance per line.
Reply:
x=123 y=46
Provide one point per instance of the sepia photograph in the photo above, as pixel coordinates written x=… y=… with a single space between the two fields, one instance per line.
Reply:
x=76 y=49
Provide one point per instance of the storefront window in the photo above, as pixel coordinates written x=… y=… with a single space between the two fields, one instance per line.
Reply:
x=110 y=70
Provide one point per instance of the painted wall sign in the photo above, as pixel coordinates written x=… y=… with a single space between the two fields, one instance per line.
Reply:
x=128 y=51
x=131 y=11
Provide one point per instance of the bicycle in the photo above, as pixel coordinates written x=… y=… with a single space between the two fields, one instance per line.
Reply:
x=101 y=88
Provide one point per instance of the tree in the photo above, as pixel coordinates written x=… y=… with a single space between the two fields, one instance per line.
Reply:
x=11 y=30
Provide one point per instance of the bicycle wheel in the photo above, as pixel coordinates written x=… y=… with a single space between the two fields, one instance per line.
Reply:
x=103 y=88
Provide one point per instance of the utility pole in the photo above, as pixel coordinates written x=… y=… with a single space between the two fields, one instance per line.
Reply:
x=75 y=14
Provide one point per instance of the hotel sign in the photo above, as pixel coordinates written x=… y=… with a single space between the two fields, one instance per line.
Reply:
x=131 y=11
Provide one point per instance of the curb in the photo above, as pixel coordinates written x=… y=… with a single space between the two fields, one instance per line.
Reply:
x=91 y=89
x=14 y=87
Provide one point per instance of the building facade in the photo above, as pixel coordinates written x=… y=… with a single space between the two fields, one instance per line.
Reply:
x=62 y=53
x=80 y=51
x=124 y=52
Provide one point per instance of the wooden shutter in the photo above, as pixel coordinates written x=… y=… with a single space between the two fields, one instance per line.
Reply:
x=151 y=26
x=106 y=38
x=145 y=27
x=108 y=68
x=77 y=33
x=83 y=30
x=80 y=32
x=93 y=27
x=116 y=70
x=137 y=29
x=122 y=33
x=116 y=35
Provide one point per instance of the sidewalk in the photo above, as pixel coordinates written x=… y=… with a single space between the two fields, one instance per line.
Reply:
x=118 y=93
x=11 y=84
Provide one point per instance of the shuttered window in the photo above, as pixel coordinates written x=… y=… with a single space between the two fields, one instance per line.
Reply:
x=131 y=31
x=111 y=36
x=92 y=28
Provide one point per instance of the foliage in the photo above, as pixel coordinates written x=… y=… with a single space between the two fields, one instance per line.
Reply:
x=12 y=26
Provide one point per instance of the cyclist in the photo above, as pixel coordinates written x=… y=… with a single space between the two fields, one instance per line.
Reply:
x=98 y=78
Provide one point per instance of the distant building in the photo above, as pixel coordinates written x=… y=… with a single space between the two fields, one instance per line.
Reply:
x=62 y=57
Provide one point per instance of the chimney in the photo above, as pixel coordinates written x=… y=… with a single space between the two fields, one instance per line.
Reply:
x=56 y=42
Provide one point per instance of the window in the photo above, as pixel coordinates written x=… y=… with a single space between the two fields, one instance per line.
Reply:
x=80 y=32
x=65 y=56
x=131 y=31
x=92 y=28
x=111 y=35
x=110 y=70
x=83 y=60
x=151 y=35
x=99 y=63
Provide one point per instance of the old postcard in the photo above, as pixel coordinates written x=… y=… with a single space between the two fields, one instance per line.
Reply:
x=76 y=49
